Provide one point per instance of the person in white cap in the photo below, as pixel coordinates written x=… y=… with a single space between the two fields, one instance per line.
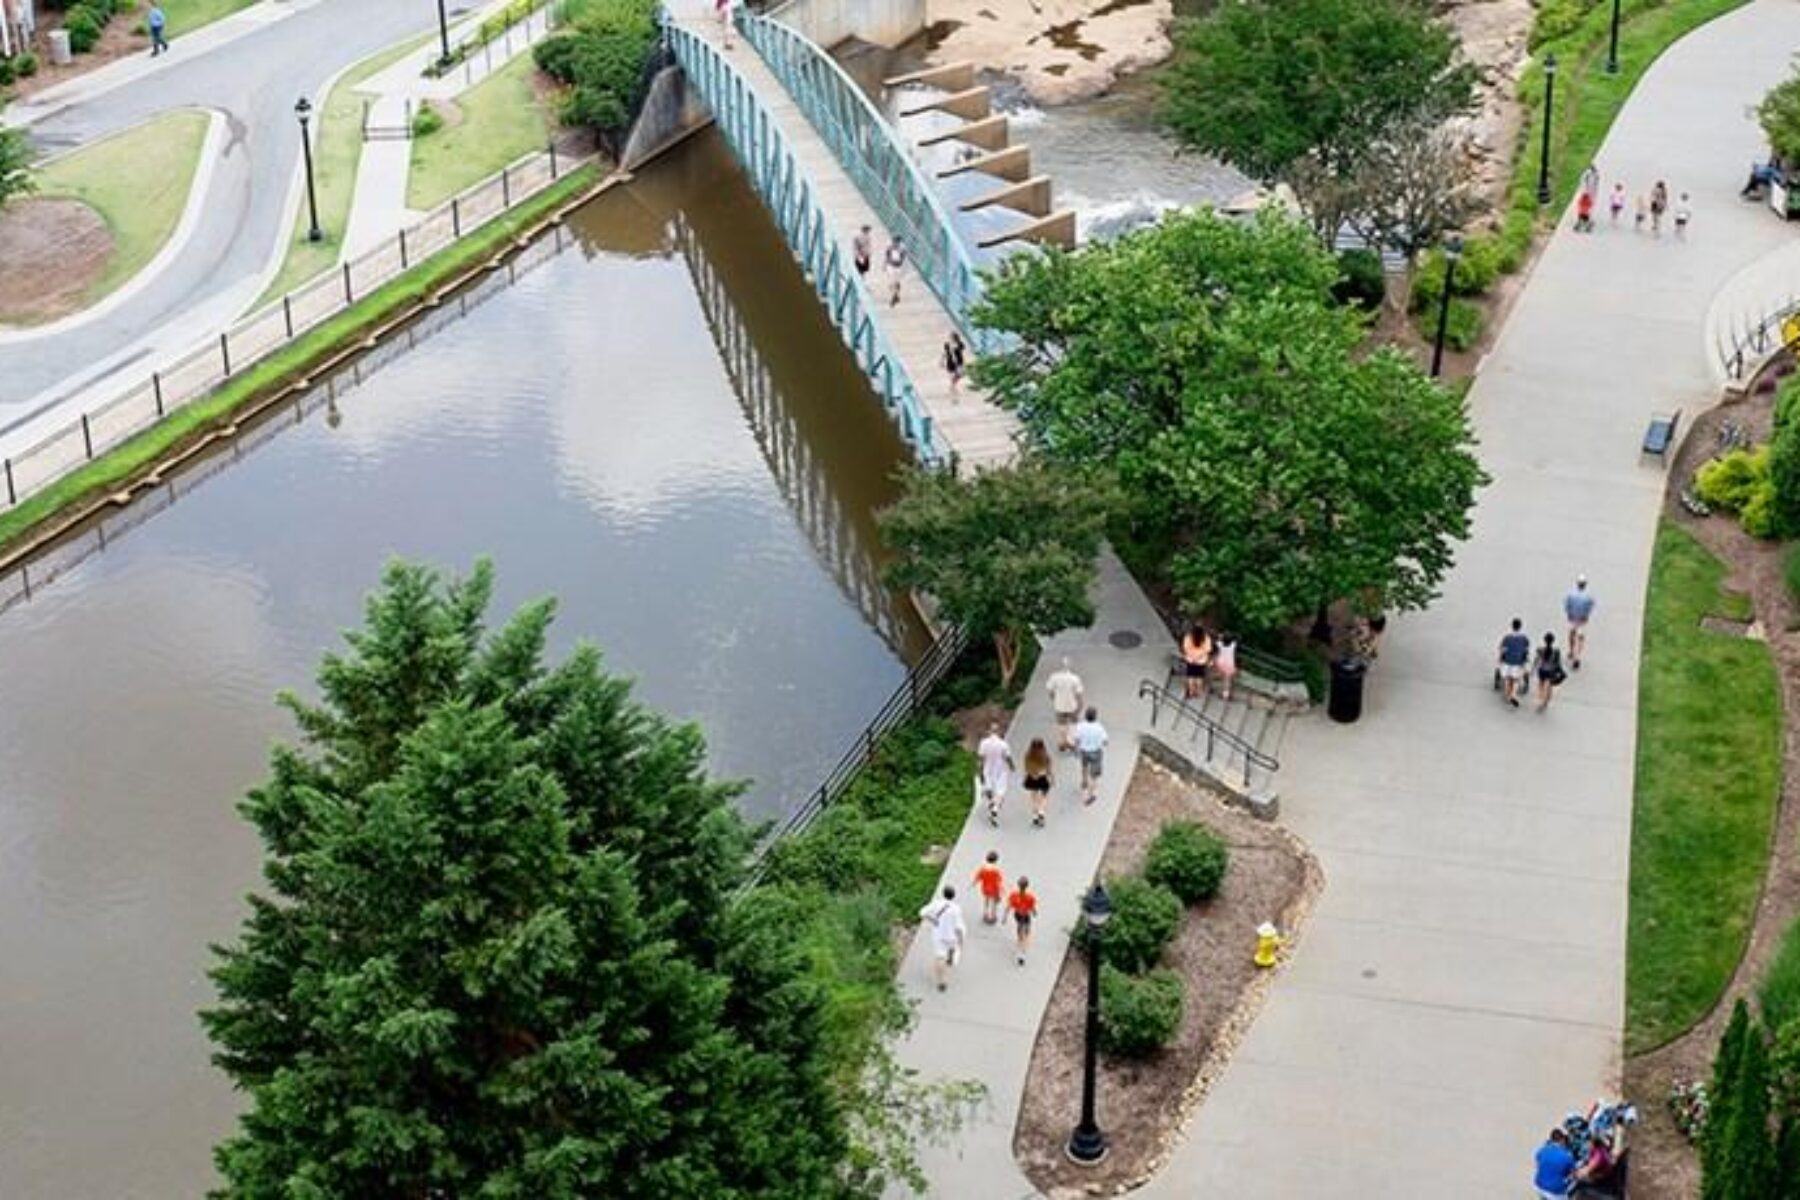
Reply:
x=1578 y=606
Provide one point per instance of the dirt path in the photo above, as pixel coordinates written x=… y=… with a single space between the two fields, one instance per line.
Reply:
x=54 y=249
x=1665 y=1166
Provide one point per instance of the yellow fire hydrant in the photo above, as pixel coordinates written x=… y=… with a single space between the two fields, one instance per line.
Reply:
x=1268 y=944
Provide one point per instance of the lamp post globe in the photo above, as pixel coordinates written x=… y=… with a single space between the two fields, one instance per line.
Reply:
x=1543 y=188
x=303 y=110
x=1087 y=1145
x=1452 y=251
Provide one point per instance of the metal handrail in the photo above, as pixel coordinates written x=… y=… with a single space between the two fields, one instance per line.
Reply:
x=1762 y=338
x=901 y=704
x=791 y=196
x=867 y=149
x=1161 y=696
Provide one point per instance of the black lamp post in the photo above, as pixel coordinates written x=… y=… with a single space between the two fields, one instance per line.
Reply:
x=1543 y=196
x=1452 y=252
x=303 y=110
x=1087 y=1145
x=443 y=36
x=1612 y=50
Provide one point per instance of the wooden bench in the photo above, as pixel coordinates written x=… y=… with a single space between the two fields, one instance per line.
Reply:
x=1660 y=436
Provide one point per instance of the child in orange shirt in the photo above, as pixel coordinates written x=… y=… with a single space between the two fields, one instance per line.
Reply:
x=1022 y=907
x=992 y=881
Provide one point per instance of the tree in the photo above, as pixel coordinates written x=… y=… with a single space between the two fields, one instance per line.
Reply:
x=1742 y=1165
x=15 y=165
x=1007 y=553
x=1300 y=91
x=499 y=955
x=1414 y=186
x=1723 y=1092
x=1269 y=464
x=1779 y=115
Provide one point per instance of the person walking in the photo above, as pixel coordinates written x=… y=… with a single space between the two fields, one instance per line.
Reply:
x=1515 y=652
x=1224 y=661
x=1590 y=182
x=1021 y=906
x=158 y=23
x=1643 y=213
x=1090 y=744
x=1659 y=204
x=1196 y=656
x=1578 y=606
x=1584 y=212
x=1616 y=203
x=1038 y=779
x=1684 y=212
x=948 y=933
x=996 y=771
x=990 y=881
x=1550 y=673
x=722 y=9
x=1064 y=687
x=954 y=355
x=1555 y=1173
x=862 y=252
x=894 y=259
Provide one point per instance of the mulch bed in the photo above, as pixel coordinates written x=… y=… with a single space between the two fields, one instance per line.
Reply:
x=1144 y=1105
x=53 y=248
x=1664 y=1165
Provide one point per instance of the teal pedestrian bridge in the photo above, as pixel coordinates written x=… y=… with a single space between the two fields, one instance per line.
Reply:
x=827 y=162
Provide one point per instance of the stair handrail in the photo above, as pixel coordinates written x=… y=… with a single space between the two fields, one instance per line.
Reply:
x=1160 y=695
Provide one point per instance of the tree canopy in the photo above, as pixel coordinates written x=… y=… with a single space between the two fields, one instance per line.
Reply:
x=499 y=955
x=1268 y=462
x=1300 y=91
x=1007 y=553
x=1779 y=115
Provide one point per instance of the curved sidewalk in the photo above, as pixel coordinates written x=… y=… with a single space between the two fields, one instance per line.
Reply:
x=1461 y=982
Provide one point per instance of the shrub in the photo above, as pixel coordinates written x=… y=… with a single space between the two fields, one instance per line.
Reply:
x=1784 y=481
x=26 y=64
x=8 y=71
x=1790 y=571
x=1729 y=482
x=555 y=57
x=1362 y=282
x=1188 y=859
x=1779 y=992
x=1557 y=19
x=426 y=122
x=1139 y=1014
x=1787 y=395
x=1478 y=267
x=83 y=30
x=1462 y=326
x=1145 y=918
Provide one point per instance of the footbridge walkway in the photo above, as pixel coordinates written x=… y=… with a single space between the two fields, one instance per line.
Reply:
x=827 y=163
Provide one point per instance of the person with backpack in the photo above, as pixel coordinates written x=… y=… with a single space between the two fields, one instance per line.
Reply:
x=1550 y=673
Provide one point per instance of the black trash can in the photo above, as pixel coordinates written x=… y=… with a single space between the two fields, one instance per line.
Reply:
x=1344 y=704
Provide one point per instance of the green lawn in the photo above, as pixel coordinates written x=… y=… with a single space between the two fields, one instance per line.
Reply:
x=1708 y=777
x=501 y=121
x=185 y=16
x=337 y=151
x=139 y=182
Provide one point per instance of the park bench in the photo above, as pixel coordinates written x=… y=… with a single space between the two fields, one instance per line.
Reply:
x=1660 y=436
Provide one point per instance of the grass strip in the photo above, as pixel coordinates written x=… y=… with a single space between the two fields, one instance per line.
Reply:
x=185 y=16
x=125 y=461
x=1587 y=102
x=139 y=181
x=501 y=122
x=1708 y=778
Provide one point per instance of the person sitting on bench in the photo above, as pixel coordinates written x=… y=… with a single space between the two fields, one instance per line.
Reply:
x=1761 y=176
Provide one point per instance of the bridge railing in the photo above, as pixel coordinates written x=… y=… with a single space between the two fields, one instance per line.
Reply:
x=792 y=198
x=866 y=146
x=1747 y=343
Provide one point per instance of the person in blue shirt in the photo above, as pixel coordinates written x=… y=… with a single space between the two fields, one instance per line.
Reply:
x=1515 y=653
x=1578 y=606
x=157 y=22
x=1555 y=1167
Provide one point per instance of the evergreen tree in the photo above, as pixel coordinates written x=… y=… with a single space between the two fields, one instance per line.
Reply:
x=499 y=956
x=1739 y=1161
x=1722 y=1092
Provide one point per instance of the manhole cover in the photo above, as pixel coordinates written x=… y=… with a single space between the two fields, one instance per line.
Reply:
x=1368 y=973
x=1125 y=639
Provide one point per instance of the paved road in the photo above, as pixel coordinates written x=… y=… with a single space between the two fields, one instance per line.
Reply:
x=254 y=80
x=1461 y=983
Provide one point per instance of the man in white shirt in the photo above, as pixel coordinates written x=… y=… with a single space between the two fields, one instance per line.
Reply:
x=1090 y=744
x=996 y=771
x=1065 y=701
x=945 y=917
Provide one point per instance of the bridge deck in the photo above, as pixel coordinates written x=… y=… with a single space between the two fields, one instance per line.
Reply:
x=980 y=434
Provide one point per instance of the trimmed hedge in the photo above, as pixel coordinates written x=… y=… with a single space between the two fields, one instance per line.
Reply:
x=1139 y=1014
x=1188 y=859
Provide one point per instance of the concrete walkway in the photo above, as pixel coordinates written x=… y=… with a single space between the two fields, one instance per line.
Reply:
x=1461 y=983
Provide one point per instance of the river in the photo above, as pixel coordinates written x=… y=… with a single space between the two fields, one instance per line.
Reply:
x=655 y=424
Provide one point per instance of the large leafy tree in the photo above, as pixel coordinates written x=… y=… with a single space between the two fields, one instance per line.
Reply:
x=1007 y=553
x=1301 y=91
x=1268 y=462
x=498 y=956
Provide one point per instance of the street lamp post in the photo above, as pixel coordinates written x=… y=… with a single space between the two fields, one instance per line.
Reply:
x=1612 y=49
x=1452 y=252
x=1543 y=193
x=1087 y=1145
x=303 y=110
x=443 y=36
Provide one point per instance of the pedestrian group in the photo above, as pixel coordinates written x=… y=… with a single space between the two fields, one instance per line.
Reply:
x=1652 y=207
x=1519 y=664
